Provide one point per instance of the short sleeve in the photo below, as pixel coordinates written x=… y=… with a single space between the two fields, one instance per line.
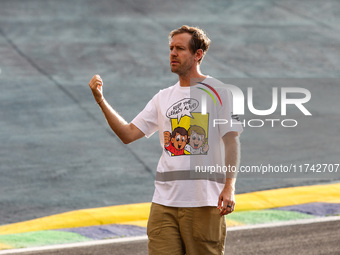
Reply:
x=226 y=113
x=147 y=119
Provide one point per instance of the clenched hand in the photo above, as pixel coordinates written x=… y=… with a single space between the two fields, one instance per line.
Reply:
x=96 y=85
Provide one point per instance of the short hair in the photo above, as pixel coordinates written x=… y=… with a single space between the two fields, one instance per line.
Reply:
x=180 y=130
x=197 y=129
x=199 y=39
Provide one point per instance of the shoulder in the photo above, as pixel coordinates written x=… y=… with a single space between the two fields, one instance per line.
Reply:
x=165 y=92
x=168 y=89
x=216 y=87
x=222 y=88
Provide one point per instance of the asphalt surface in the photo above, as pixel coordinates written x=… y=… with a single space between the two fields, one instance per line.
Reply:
x=310 y=239
x=57 y=153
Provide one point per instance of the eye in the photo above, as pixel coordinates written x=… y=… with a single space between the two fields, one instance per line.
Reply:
x=178 y=138
x=194 y=137
x=200 y=138
x=183 y=139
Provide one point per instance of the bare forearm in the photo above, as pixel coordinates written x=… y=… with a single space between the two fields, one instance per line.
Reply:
x=125 y=131
x=226 y=200
x=115 y=121
x=232 y=159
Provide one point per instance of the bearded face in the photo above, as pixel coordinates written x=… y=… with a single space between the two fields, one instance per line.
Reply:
x=181 y=58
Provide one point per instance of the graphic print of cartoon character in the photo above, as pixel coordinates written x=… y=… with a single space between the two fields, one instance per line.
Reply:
x=175 y=142
x=197 y=142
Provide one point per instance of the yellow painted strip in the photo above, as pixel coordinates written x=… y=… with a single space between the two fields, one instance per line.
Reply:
x=82 y=218
x=4 y=246
x=138 y=214
x=288 y=196
x=140 y=223
x=232 y=223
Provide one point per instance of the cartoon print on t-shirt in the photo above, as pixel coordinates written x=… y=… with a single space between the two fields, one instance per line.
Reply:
x=197 y=142
x=176 y=141
x=188 y=134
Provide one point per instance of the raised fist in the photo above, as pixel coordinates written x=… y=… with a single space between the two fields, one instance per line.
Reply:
x=96 y=85
x=166 y=138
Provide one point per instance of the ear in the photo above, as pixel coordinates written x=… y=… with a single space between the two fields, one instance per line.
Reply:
x=199 y=54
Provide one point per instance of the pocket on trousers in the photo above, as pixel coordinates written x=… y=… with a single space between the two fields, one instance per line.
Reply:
x=208 y=225
x=155 y=221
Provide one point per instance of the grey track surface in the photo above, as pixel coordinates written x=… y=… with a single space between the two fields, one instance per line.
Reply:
x=57 y=153
x=311 y=239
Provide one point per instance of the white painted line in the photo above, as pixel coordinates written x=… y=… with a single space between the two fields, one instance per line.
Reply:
x=144 y=238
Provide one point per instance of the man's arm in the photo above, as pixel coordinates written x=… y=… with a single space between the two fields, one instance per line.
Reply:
x=226 y=200
x=127 y=132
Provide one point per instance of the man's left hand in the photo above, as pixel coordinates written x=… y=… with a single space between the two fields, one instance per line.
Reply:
x=226 y=201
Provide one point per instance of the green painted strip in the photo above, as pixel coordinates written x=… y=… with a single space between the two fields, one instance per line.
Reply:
x=4 y=246
x=266 y=216
x=41 y=238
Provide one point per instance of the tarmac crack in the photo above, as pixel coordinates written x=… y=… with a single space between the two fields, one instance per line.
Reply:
x=69 y=95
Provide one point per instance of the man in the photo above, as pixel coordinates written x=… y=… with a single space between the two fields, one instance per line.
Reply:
x=188 y=208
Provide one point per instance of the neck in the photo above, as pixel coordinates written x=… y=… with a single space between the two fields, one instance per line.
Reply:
x=186 y=80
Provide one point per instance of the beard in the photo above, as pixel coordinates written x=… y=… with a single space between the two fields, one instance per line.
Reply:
x=182 y=69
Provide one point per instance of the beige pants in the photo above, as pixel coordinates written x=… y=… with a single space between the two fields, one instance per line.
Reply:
x=190 y=231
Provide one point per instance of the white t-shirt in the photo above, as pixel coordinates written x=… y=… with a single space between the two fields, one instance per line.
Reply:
x=191 y=122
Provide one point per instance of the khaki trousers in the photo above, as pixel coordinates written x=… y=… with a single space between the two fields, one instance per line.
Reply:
x=190 y=231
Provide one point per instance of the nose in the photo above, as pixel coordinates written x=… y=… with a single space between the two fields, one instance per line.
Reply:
x=173 y=52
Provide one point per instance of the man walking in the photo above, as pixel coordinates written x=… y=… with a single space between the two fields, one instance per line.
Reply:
x=188 y=205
